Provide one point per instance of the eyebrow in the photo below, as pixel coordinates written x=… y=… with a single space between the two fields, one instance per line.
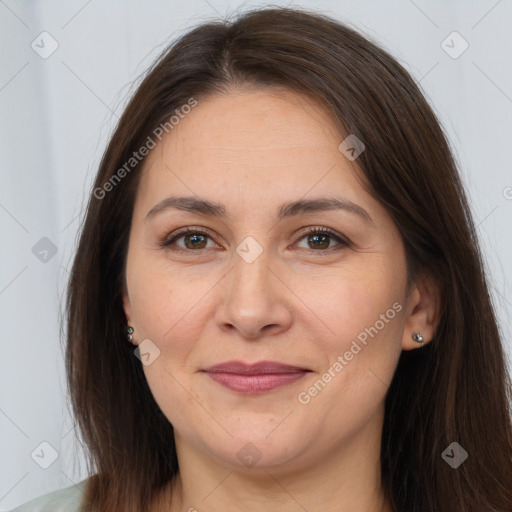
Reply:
x=293 y=208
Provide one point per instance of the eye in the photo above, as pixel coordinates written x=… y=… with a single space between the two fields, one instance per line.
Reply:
x=319 y=239
x=195 y=239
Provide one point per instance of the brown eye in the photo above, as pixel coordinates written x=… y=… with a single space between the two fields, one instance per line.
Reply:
x=320 y=239
x=196 y=241
x=193 y=240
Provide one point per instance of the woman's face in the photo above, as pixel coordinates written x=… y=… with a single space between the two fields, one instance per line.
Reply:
x=256 y=286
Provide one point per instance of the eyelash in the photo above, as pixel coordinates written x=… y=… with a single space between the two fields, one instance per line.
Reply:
x=167 y=240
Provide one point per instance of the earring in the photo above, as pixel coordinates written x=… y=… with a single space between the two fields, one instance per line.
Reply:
x=416 y=336
x=129 y=331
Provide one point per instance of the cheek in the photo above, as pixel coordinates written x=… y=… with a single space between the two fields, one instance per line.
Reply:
x=366 y=317
x=165 y=310
x=161 y=299
x=353 y=301
x=363 y=311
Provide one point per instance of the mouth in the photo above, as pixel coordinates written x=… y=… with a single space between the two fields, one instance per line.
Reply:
x=254 y=378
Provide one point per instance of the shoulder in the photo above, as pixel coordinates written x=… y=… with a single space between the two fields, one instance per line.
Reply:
x=67 y=499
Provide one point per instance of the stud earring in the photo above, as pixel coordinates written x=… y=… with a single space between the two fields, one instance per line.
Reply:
x=416 y=336
x=129 y=331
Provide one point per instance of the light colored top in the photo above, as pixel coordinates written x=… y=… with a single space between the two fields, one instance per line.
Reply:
x=61 y=500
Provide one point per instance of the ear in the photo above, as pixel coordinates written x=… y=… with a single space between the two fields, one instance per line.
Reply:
x=423 y=311
x=127 y=307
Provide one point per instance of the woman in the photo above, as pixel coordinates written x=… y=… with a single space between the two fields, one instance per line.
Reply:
x=278 y=301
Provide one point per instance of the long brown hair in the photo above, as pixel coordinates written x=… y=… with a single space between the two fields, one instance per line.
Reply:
x=455 y=389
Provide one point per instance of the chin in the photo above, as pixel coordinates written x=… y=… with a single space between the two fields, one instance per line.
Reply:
x=258 y=450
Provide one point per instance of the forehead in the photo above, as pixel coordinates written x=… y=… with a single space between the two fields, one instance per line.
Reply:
x=255 y=119
x=264 y=144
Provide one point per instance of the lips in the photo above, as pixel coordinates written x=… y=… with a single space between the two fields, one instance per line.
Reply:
x=254 y=378
x=259 y=368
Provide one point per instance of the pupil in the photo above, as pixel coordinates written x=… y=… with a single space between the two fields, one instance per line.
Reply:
x=317 y=237
x=195 y=238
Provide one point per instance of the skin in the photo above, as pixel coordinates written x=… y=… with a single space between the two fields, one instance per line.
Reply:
x=301 y=302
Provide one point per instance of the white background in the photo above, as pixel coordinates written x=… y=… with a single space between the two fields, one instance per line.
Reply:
x=57 y=114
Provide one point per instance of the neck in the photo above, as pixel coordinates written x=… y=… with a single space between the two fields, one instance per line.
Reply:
x=346 y=478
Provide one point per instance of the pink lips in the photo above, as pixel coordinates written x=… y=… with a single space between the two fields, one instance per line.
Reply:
x=256 y=378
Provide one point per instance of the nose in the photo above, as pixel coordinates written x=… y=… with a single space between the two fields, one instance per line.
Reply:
x=255 y=300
